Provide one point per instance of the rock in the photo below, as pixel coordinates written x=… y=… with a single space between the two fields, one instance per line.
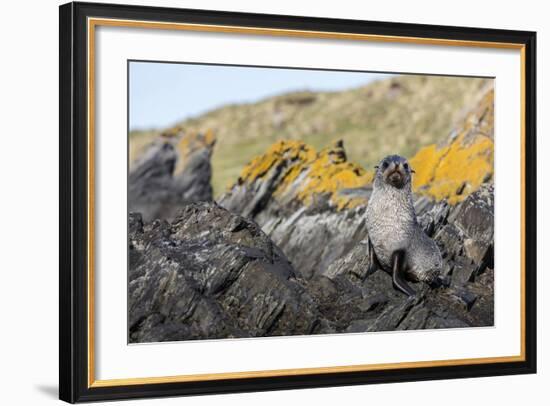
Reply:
x=212 y=274
x=464 y=162
x=482 y=310
x=475 y=218
x=450 y=241
x=135 y=223
x=314 y=241
x=292 y=174
x=170 y=174
x=150 y=183
x=285 y=251
x=436 y=322
x=477 y=250
x=463 y=271
x=321 y=230
x=359 y=326
x=415 y=319
x=293 y=192
x=356 y=263
x=393 y=315
x=373 y=301
x=434 y=218
x=463 y=296
x=422 y=204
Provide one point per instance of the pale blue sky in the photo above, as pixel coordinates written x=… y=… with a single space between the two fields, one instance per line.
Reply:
x=162 y=94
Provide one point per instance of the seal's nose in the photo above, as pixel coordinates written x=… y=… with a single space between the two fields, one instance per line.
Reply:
x=395 y=177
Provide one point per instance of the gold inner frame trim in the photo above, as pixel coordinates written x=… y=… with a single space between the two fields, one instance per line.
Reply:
x=94 y=22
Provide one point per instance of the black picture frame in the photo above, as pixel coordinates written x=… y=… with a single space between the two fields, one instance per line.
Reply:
x=74 y=199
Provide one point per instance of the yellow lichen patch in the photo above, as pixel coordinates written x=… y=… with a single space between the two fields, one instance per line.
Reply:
x=424 y=164
x=190 y=143
x=307 y=174
x=172 y=132
x=454 y=171
x=284 y=150
x=326 y=177
x=451 y=171
x=463 y=170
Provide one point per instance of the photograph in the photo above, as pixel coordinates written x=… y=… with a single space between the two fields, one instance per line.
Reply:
x=281 y=201
x=254 y=201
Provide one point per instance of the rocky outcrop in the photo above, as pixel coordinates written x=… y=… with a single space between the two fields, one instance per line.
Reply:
x=463 y=297
x=312 y=203
x=174 y=171
x=464 y=162
x=214 y=274
x=292 y=174
x=284 y=251
x=305 y=200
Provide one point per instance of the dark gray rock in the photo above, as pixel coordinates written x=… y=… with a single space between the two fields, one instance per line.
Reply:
x=212 y=274
x=393 y=315
x=450 y=241
x=193 y=183
x=356 y=263
x=157 y=192
x=463 y=271
x=324 y=243
x=475 y=218
x=463 y=296
x=135 y=223
x=281 y=190
x=415 y=319
x=271 y=262
x=250 y=199
x=434 y=218
x=315 y=240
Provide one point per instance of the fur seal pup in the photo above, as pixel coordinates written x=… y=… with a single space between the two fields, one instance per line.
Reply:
x=397 y=242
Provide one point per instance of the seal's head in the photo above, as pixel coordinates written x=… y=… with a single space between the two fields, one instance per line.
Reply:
x=395 y=171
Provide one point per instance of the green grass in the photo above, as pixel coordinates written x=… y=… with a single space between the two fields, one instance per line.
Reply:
x=398 y=115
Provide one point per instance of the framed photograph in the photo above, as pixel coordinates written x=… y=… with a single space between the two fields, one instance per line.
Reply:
x=256 y=202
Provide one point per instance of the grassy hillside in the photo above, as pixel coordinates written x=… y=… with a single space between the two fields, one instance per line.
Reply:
x=398 y=115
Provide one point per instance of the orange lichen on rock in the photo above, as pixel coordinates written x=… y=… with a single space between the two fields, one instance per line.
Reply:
x=190 y=143
x=172 y=132
x=291 y=170
x=455 y=170
x=294 y=153
x=331 y=172
x=306 y=174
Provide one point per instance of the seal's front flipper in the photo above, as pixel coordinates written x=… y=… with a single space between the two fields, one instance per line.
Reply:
x=398 y=262
x=374 y=264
